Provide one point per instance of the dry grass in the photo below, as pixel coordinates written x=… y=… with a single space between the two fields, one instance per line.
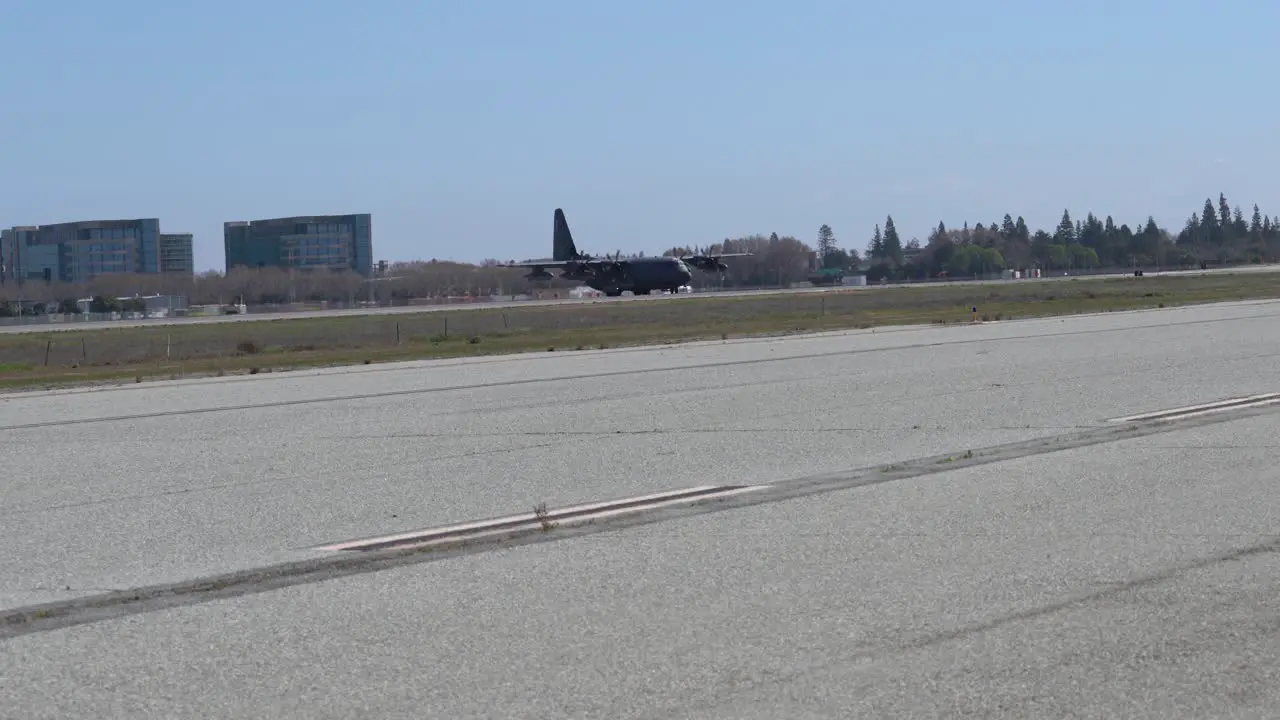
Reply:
x=135 y=354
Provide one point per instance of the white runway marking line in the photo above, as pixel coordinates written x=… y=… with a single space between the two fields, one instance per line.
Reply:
x=1190 y=411
x=573 y=515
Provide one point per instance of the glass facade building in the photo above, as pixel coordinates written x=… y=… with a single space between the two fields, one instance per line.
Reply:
x=177 y=253
x=76 y=252
x=336 y=242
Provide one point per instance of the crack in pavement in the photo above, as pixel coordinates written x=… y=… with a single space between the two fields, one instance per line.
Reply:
x=67 y=588
x=692 y=431
x=893 y=647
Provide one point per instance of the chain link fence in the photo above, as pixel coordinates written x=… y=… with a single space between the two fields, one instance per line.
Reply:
x=586 y=324
x=607 y=323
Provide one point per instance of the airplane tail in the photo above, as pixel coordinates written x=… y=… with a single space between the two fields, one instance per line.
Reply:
x=563 y=247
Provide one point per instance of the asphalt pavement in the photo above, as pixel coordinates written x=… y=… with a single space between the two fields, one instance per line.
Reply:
x=1133 y=576
x=1136 y=580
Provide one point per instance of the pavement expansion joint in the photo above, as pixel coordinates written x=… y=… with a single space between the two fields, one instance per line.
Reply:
x=1190 y=411
x=517 y=530
x=542 y=518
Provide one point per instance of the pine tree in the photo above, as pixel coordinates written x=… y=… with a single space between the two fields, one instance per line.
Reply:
x=826 y=241
x=1024 y=232
x=1210 y=232
x=875 y=250
x=1008 y=229
x=892 y=243
x=939 y=235
x=1239 y=228
x=1066 y=232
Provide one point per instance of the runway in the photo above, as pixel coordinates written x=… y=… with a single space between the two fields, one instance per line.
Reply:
x=43 y=326
x=960 y=520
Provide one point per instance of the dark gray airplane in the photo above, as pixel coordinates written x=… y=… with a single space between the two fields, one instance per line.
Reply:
x=613 y=276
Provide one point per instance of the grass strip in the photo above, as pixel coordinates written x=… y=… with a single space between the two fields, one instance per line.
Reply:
x=135 y=354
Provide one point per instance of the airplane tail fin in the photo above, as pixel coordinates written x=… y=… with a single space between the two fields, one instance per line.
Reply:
x=563 y=247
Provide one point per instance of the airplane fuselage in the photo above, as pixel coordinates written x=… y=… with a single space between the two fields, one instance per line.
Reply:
x=639 y=275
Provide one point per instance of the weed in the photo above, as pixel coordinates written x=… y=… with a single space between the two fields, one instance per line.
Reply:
x=540 y=512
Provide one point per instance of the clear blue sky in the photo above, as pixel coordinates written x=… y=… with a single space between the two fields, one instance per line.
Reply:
x=462 y=124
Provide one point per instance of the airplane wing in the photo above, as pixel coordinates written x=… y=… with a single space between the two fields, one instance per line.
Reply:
x=553 y=264
x=560 y=264
x=710 y=262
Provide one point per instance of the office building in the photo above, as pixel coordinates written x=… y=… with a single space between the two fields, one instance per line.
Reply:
x=177 y=253
x=336 y=242
x=20 y=258
x=76 y=252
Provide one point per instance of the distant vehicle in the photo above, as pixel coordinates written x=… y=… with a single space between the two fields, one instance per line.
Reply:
x=827 y=276
x=613 y=276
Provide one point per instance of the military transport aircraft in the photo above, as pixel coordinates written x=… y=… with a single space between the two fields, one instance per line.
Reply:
x=612 y=276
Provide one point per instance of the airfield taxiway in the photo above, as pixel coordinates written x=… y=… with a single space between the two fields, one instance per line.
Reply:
x=1135 y=575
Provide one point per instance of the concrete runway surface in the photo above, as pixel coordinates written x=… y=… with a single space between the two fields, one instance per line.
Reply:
x=251 y=317
x=1133 y=573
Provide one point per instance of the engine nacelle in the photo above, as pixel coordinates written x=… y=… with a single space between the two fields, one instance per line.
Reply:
x=707 y=264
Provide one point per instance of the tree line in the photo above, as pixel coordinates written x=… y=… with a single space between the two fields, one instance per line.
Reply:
x=1218 y=234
